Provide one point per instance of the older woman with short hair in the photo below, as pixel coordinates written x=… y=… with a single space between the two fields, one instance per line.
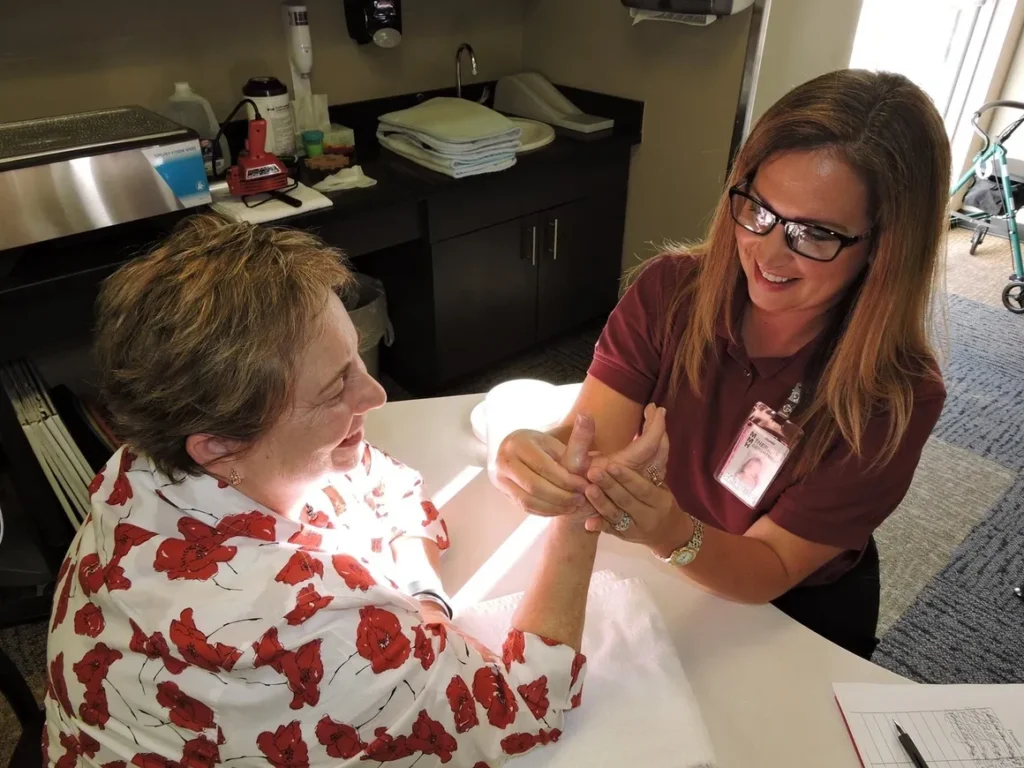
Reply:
x=255 y=582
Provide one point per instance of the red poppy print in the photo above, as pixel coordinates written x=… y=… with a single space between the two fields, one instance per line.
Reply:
x=89 y=620
x=121 y=491
x=114 y=764
x=380 y=641
x=57 y=686
x=577 y=664
x=307 y=603
x=127 y=536
x=463 y=707
x=300 y=567
x=195 y=557
x=513 y=648
x=60 y=611
x=423 y=648
x=443 y=540
x=304 y=669
x=90 y=574
x=336 y=500
x=429 y=737
x=87 y=745
x=195 y=649
x=576 y=700
x=93 y=709
x=284 y=748
x=95 y=484
x=430 y=512
x=377 y=545
x=342 y=741
x=387 y=749
x=250 y=525
x=269 y=651
x=114 y=578
x=439 y=630
x=535 y=695
x=316 y=518
x=306 y=538
x=154 y=647
x=492 y=692
x=151 y=760
x=354 y=574
x=518 y=743
x=549 y=642
x=367 y=458
x=93 y=667
x=185 y=711
x=200 y=752
x=70 y=757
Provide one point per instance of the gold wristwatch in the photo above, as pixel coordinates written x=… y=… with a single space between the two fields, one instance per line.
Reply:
x=687 y=553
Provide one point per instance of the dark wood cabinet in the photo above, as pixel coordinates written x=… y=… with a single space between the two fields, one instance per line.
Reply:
x=485 y=292
x=579 y=265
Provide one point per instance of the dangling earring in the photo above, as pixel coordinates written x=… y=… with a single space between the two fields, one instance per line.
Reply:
x=235 y=478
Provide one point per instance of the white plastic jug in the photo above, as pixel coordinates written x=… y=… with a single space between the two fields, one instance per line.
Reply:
x=187 y=107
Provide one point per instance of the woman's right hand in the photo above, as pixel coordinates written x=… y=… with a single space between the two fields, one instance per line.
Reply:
x=546 y=477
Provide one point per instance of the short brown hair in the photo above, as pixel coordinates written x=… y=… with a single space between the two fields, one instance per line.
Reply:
x=202 y=335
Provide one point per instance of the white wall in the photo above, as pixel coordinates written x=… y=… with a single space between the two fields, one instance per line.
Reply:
x=803 y=39
x=61 y=56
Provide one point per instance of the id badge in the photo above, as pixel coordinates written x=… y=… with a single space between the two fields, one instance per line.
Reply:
x=765 y=441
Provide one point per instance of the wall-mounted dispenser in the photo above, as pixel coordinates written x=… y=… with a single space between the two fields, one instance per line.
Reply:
x=699 y=12
x=374 y=21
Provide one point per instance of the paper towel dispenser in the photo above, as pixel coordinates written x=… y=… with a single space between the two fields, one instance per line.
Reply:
x=691 y=7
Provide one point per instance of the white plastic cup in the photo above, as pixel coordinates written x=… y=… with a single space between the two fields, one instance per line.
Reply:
x=518 y=404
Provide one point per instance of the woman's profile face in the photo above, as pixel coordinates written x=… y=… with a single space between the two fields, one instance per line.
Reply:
x=321 y=432
x=808 y=186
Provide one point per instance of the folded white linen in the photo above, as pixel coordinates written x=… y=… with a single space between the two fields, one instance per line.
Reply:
x=418 y=156
x=453 y=121
x=638 y=708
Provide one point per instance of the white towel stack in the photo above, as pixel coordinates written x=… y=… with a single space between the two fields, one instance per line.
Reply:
x=452 y=136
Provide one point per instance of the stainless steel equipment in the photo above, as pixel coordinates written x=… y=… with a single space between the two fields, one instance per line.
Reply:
x=74 y=173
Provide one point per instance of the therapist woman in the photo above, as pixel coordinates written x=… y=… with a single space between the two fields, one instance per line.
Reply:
x=791 y=352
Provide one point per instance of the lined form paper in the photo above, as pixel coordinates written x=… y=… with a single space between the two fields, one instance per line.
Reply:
x=953 y=726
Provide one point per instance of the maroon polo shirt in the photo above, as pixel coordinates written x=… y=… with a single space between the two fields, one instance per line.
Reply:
x=840 y=503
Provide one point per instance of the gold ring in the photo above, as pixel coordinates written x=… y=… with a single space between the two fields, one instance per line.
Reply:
x=654 y=475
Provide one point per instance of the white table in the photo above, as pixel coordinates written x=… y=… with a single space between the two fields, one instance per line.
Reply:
x=763 y=682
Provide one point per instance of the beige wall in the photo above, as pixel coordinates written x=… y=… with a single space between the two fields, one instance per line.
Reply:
x=1013 y=89
x=60 y=56
x=689 y=78
x=803 y=39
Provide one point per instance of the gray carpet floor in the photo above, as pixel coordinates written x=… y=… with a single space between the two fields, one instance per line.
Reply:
x=950 y=554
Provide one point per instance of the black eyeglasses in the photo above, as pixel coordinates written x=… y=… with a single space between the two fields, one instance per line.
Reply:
x=812 y=241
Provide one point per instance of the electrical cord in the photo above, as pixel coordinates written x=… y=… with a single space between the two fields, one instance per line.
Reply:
x=220 y=129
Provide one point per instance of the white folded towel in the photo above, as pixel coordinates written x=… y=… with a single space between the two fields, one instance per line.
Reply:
x=638 y=708
x=412 y=152
x=234 y=209
x=453 y=121
x=469 y=151
x=413 y=147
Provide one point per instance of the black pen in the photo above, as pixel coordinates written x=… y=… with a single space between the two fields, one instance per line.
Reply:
x=909 y=747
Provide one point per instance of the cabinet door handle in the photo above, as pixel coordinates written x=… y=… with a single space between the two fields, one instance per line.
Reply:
x=533 y=245
x=554 y=250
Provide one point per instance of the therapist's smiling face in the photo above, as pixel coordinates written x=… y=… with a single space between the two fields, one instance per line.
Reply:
x=815 y=187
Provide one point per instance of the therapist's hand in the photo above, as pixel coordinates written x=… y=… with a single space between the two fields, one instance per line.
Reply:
x=616 y=489
x=543 y=475
x=547 y=478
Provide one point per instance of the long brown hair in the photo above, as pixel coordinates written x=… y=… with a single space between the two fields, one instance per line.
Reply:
x=889 y=131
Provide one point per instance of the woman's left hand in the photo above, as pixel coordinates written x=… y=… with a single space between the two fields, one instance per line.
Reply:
x=656 y=521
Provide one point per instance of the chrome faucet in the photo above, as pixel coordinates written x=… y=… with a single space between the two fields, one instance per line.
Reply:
x=458 y=66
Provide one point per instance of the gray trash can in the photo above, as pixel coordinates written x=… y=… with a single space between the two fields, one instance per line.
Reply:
x=368 y=308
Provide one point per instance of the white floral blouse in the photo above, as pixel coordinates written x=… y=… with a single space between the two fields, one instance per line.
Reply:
x=193 y=627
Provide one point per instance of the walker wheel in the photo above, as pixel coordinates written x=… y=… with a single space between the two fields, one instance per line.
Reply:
x=977 y=238
x=1013 y=297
